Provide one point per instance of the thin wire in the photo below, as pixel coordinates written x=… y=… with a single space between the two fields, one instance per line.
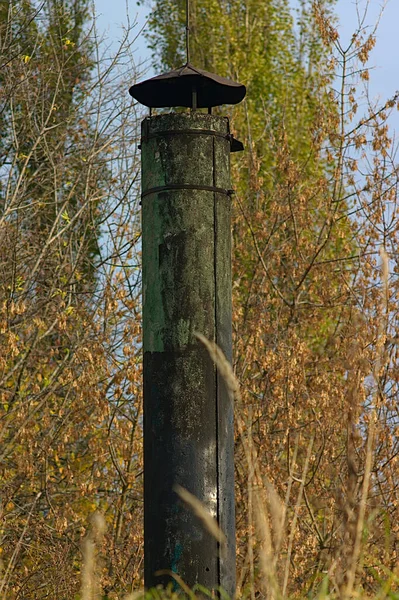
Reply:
x=188 y=31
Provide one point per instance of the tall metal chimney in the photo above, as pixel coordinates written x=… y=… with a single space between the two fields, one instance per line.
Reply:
x=186 y=253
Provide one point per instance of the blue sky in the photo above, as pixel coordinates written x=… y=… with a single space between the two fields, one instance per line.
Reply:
x=384 y=79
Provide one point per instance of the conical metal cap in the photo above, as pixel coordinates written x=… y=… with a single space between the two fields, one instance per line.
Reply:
x=177 y=87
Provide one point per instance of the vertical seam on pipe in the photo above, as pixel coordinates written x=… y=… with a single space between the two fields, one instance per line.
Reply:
x=215 y=367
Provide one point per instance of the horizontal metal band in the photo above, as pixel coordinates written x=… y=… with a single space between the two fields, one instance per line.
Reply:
x=186 y=186
x=168 y=132
x=235 y=145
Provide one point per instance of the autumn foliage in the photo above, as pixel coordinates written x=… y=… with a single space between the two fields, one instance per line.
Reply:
x=70 y=364
x=315 y=234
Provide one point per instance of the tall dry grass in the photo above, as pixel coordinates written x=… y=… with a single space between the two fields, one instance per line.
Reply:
x=272 y=519
x=268 y=523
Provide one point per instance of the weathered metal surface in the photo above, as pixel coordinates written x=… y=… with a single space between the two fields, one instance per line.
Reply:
x=235 y=145
x=188 y=417
x=176 y=88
